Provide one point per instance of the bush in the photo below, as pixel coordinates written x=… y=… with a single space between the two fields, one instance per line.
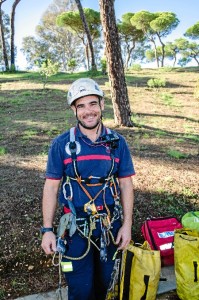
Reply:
x=72 y=64
x=135 y=67
x=167 y=99
x=48 y=69
x=156 y=83
x=166 y=69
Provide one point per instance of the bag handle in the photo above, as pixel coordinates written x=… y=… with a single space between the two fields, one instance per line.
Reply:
x=188 y=239
x=195 y=264
x=146 y=281
x=127 y=274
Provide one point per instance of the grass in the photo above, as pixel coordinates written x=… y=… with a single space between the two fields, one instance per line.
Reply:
x=168 y=99
x=160 y=133
x=176 y=154
x=2 y=150
x=194 y=138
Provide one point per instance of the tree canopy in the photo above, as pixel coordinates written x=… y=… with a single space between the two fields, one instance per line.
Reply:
x=51 y=41
x=156 y=25
x=193 y=32
x=130 y=35
x=73 y=22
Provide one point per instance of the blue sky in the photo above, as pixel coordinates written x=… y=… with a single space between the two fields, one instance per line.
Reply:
x=29 y=13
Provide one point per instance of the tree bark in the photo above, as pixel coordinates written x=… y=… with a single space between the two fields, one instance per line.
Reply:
x=12 y=43
x=119 y=94
x=87 y=31
x=3 y=43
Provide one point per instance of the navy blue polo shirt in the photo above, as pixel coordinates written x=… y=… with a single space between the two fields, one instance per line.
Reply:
x=93 y=162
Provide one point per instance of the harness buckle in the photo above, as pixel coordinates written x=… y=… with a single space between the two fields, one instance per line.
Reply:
x=87 y=180
x=102 y=180
x=90 y=208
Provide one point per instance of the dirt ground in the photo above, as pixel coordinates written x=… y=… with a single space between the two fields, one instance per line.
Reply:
x=163 y=143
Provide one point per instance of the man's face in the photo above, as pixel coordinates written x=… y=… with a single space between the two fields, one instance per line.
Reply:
x=88 y=111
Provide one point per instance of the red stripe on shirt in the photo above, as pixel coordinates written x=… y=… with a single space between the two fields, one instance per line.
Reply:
x=90 y=157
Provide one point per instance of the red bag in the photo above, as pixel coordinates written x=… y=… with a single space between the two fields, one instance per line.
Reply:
x=159 y=232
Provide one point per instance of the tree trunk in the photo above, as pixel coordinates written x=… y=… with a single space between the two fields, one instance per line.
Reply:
x=87 y=31
x=119 y=94
x=87 y=56
x=155 y=51
x=163 y=51
x=3 y=43
x=12 y=44
x=128 y=57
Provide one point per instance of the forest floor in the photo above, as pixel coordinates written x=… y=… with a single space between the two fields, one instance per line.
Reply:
x=164 y=143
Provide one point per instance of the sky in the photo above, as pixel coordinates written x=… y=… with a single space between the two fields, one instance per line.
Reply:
x=29 y=13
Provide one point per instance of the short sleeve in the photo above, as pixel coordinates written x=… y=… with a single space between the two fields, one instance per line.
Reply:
x=126 y=167
x=55 y=166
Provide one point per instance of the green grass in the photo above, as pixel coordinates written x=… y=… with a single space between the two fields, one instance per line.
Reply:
x=160 y=133
x=2 y=150
x=35 y=76
x=192 y=137
x=176 y=154
x=168 y=99
x=180 y=140
x=28 y=134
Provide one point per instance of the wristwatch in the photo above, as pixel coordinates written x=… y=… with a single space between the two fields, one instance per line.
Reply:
x=46 y=229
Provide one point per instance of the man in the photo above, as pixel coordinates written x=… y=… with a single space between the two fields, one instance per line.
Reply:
x=94 y=167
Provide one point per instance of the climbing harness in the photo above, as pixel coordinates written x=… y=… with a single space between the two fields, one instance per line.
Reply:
x=70 y=223
x=109 y=181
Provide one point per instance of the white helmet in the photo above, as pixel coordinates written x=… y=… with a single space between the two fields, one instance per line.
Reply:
x=83 y=87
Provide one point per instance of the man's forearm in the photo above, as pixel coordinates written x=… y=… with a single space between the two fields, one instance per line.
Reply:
x=49 y=202
x=127 y=199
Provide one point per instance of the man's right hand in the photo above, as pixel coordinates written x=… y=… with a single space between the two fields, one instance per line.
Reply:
x=49 y=242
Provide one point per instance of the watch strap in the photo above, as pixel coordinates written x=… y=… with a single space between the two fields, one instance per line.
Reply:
x=46 y=229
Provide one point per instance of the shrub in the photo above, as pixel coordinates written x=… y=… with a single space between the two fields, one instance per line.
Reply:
x=167 y=99
x=48 y=69
x=136 y=67
x=72 y=64
x=166 y=69
x=156 y=82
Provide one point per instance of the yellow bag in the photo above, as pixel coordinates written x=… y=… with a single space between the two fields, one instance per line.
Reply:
x=140 y=273
x=186 y=259
x=191 y=220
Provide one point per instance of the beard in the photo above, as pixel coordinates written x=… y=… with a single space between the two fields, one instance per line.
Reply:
x=89 y=127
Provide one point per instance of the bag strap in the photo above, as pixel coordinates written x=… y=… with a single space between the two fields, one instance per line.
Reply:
x=146 y=281
x=127 y=274
x=195 y=264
